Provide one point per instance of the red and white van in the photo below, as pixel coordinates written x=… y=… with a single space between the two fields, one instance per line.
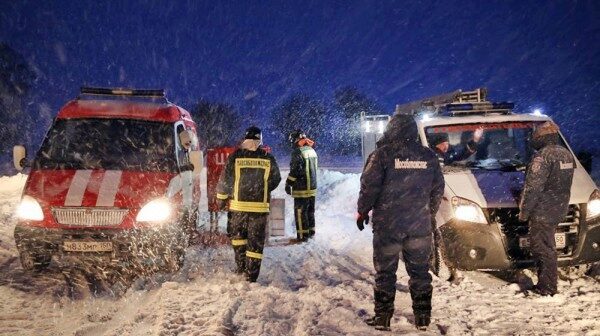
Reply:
x=116 y=178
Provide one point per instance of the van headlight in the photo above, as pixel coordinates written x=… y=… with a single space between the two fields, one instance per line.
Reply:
x=467 y=211
x=30 y=209
x=593 y=206
x=157 y=210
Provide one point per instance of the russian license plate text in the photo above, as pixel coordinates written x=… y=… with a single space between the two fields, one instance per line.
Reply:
x=559 y=239
x=83 y=246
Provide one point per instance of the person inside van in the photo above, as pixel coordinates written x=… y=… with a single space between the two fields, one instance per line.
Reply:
x=448 y=153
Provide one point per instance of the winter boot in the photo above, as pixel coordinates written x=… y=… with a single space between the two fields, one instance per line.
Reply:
x=381 y=321
x=543 y=291
x=422 y=321
x=421 y=303
x=251 y=277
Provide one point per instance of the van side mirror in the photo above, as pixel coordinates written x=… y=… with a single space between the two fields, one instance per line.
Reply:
x=19 y=154
x=196 y=159
x=585 y=158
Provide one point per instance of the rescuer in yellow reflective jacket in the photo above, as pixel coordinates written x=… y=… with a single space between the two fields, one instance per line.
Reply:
x=302 y=183
x=246 y=182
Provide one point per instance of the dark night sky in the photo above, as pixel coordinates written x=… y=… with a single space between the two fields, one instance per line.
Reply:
x=536 y=53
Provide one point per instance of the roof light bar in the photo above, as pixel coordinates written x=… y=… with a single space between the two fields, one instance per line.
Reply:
x=159 y=93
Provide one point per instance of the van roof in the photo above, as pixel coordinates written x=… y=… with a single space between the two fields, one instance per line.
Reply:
x=162 y=112
x=425 y=121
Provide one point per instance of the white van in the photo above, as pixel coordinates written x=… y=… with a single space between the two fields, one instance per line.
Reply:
x=477 y=223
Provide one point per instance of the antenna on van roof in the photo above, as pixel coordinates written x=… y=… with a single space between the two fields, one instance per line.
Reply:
x=455 y=103
x=123 y=93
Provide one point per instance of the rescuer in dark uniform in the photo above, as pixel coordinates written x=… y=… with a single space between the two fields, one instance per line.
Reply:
x=247 y=181
x=403 y=183
x=302 y=183
x=545 y=201
x=451 y=153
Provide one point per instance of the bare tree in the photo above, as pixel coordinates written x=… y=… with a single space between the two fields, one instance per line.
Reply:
x=16 y=79
x=349 y=103
x=301 y=112
x=218 y=124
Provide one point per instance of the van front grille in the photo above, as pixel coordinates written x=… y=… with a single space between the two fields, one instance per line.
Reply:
x=514 y=230
x=89 y=217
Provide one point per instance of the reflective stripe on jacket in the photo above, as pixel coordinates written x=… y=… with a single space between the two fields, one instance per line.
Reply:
x=303 y=172
x=248 y=179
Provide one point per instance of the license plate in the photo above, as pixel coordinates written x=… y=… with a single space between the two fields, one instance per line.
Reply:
x=559 y=238
x=82 y=246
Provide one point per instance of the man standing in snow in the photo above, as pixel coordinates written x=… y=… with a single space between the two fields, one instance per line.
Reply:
x=545 y=201
x=247 y=181
x=302 y=183
x=402 y=183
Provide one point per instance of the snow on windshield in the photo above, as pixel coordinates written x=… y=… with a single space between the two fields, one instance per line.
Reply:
x=108 y=144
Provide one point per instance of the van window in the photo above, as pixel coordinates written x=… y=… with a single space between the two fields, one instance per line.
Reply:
x=118 y=144
x=503 y=146
x=183 y=159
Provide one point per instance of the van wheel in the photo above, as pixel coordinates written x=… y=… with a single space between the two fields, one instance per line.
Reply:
x=174 y=255
x=436 y=263
x=570 y=273
x=190 y=224
x=34 y=262
x=174 y=259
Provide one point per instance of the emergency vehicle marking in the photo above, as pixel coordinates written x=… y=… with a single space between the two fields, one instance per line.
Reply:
x=109 y=188
x=221 y=158
x=398 y=164
x=78 y=186
x=568 y=165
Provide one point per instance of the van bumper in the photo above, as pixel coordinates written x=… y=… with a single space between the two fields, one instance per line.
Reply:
x=471 y=246
x=132 y=245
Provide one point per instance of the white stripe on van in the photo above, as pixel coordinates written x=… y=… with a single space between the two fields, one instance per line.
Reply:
x=77 y=189
x=108 y=188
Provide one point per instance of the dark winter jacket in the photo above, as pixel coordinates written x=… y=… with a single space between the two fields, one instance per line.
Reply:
x=248 y=179
x=303 y=172
x=457 y=152
x=402 y=181
x=547 y=190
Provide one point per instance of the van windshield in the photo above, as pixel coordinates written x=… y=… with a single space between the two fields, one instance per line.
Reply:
x=118 y=144
x=492 y=146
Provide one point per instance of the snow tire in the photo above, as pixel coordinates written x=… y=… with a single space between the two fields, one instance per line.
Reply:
x=437 y=265
x=34 y=262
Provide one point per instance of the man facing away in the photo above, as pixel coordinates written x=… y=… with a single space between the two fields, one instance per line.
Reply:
x=545 y=201
x=402 y=183
x=302 y=183
x=246 y=182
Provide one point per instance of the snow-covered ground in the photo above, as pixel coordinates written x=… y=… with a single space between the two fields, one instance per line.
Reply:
x=323 y=287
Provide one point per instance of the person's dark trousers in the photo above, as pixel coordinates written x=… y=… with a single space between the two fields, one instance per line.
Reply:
x=415 y=252
x=248 y=233
x=543 y=250
x=238 y=234
x=304 y=214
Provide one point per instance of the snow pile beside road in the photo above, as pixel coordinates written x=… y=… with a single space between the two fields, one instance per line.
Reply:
x=323 y=287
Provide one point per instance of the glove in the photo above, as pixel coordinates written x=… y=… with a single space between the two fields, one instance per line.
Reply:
x=288 y=189
x=522 y=216
x=222 y=204
x=361 y=220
